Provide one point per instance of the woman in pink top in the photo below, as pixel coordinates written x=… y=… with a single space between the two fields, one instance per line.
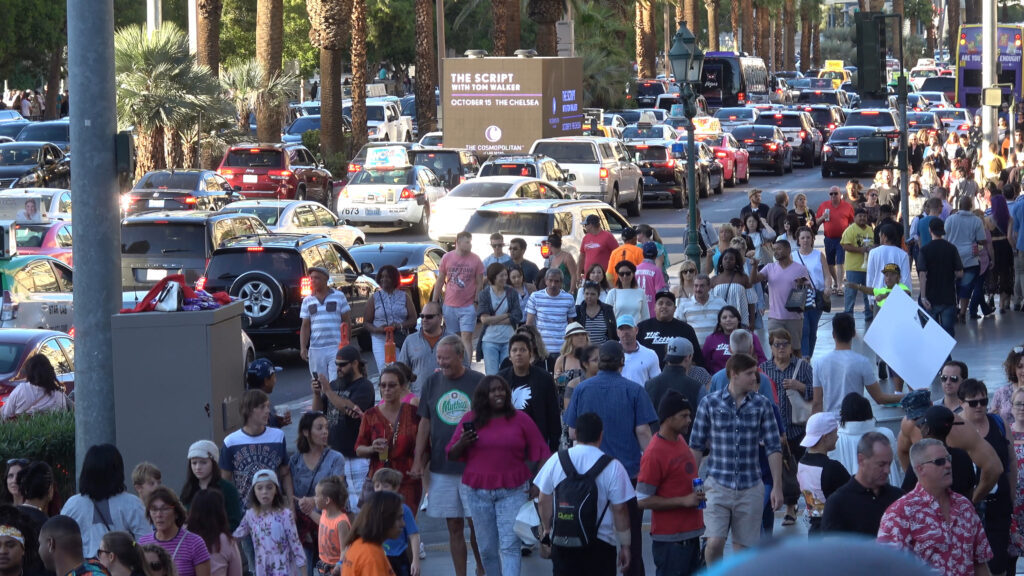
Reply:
x=207 y=518
x=496 y=441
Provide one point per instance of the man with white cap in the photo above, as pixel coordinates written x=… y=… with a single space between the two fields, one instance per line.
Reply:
x=641 y=363
x=819 y=475
x=673 y=376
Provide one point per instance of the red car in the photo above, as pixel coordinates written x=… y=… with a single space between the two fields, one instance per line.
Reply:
x=278 y=171
x=50 y=239
x=734 y=158
x=18 y=345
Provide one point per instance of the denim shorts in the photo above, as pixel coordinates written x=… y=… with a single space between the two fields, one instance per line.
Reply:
x=460 y=318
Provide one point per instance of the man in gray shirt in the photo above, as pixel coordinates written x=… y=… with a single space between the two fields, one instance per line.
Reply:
x=966 y=231
x=418 y=350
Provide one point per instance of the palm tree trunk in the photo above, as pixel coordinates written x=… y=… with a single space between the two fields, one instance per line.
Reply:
x=789 y=50
x=953 y=22
x=545 y=13
x=190 y=151
x=805 y=38
x=330 y=102
x=778 y=56
x=426 y=75
x=208 y=14
x=680 y=14
x=734 y=22
x=644 y=33
x=747 y=9
x=149 y=151
x=712 y=9
x=359 y=73
x=499 y=14
x=269 y=43
x=690 y=15
x=515 y=25
x=929 y=30
x=53 y=69
x=816 y=37
x=172 y=147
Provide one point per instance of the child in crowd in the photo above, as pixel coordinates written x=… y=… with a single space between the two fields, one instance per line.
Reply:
x=401 y=551
x=332 y=501
x=146 y=477
x=271 y=525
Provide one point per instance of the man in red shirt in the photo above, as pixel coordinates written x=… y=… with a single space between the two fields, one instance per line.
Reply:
x=837 y=215
x=597 y=245
x=665 y=487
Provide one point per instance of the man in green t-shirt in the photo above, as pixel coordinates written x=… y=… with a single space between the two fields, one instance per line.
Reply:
x=857 y=241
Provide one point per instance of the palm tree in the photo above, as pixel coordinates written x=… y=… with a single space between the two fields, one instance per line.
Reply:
x=712 y=8
x=806 y=14
x=789 y=15
x=747 y=8
x=644 y=27
x=329 y=29
x=734 y=23
x=359 y=73
x=208 y=33
x=245 y=84
x=545 y=13
x=690 y=15
x=500 y=15
x=953 y=22
x=269 y=46
x=426 y=75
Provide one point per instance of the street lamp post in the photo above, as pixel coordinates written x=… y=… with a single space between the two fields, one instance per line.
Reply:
x=687 y=62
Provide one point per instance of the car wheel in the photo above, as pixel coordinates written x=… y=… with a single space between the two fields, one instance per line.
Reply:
x=808 y=158
x=387 y=138
x=261 y=295
x=781 y=168
x=680 y=198
x=358 y=242
x=704 y=190
x=825 y=172
x=424 y=224
x=721 y=185
x=734 y=180
x=746 y=174
x=615 y=197
x=821 y=157
x=325 y=193
x=634 y=207
x=789 y=167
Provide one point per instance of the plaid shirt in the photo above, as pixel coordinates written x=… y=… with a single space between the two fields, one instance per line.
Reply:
x=769 y=369
x=733 y=435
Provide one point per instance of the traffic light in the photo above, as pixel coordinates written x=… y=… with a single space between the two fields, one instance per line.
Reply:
x=871 y=51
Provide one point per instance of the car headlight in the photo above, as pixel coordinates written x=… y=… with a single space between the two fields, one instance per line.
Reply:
x=28 y=179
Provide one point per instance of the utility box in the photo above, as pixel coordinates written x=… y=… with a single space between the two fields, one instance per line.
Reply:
x=178 y=378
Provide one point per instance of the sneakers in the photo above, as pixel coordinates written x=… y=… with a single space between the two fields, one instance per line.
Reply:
x=423 y=551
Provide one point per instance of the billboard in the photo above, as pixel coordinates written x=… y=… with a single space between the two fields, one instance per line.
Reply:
x=502 y=105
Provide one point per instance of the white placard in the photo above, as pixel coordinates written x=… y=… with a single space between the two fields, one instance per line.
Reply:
x=386 y=157
x=910 y=341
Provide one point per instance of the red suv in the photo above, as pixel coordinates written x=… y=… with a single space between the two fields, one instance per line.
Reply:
x=280 y=171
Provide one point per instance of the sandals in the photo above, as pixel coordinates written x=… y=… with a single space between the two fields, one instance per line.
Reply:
x=789 y=520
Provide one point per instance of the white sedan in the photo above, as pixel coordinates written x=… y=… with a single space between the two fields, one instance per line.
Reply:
x=390 y=196
x=451 y=213
x=299 y=217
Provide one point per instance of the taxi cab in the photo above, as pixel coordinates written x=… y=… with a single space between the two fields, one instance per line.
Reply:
x=734 y=158
x=389 y=191
x=834 y=71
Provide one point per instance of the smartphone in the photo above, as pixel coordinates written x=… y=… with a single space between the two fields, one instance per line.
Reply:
x=316 y=376
x=469 y=427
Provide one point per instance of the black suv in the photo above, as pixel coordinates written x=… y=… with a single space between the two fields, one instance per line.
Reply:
x=826 y=118
x=156 y=244
x=664 y=176
x=452 y=166
x=533 y=166
x=271 y=277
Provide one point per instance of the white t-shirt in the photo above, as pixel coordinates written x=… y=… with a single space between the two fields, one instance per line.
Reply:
x=882 y=255
x=612 y=483
x=840 y=372
x=641 y=365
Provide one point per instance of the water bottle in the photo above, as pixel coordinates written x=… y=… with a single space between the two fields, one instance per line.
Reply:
x=698 y=488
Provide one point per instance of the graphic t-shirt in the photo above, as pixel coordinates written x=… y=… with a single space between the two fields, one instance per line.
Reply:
x=244 y=455
x=444 y=402
x=597 y=248
x=861 y=237
x=461 y=273
x=329 y=538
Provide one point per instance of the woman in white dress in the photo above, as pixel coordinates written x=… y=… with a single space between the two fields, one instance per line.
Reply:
x=730 y=283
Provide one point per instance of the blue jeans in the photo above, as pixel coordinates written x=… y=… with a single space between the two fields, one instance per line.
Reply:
x=810 y=333
x=676 y=558
x=494 y=354
x=945 y=315
x=850 y=295
x=965 y=286
x=494 y=514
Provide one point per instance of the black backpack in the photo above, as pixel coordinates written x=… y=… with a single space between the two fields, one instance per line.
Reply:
x=576 y=520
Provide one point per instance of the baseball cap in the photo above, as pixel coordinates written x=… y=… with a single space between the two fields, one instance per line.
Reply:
x=574 y=328
x=664 y=294
x=628 y=233
x=262 y=368
x=349 y=354
x=265 y=475
x=939 y=420
x=650 y=250
x=204 y=449
x=592 y=220
x=819 y=425
x=678 y=348
x=916 y=403
x=625 y=320
x=891 y=267
x=610 y=351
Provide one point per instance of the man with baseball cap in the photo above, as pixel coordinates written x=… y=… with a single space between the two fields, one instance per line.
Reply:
x=628 y=251
x=658 y=330
x=641 y=363
x=939 y=423
x=819 y=475
x=597 y=244
x=262 y=375
x=673 y=377
x=322 y=313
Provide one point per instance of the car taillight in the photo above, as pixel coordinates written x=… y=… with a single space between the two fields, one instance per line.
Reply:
x=462 y=179
x=803 y=134
x=279 y=174
x=603 y=173
x=964 y=127
x=545 y=250
x=354 y=167
x=748 y=141
x=831 y=126
x=406 y=279
x=667 y=164
x=226 y=173
x=71 y=332
x=9 y=307
x=741 y=97
x=771 y=146
x=720 y=154
x=826 y=149
x=408 y=193
x=305 y=286
x=190 y=200
x=201 y=283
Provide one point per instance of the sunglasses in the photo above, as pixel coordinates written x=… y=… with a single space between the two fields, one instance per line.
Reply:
x=387 y=386
x=939 y=461
x=690 y=271
x=341 y=364
x=625 y=273
x=428 y=316
x=978 y=402
x=18 y=462
x=156 y=565
x=497 y=245
x=833 y=193
x=949 y=378
x=1018 y=349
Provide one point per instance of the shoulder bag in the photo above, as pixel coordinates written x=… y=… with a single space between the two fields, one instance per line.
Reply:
x=800 y=408
x=821 y=302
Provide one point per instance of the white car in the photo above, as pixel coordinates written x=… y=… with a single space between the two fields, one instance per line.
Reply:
x=432 y=140
x=299 y=217
x=957 y=120
x=938 y=100
x=390 y=196
x=450 y=214
x=56 y=202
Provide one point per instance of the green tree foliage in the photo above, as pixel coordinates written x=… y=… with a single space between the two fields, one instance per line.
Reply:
x=606 y=65
x=390 y=36
x=238 y=28
x=838 y=44
x=29 y=32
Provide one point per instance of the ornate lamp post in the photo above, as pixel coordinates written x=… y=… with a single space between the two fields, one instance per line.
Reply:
x=687 y=62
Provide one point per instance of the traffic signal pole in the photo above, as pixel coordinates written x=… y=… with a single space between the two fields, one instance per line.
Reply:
x=989 y=60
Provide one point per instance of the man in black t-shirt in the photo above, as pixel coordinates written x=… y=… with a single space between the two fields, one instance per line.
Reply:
x=939 y=266
x=655 y=333
x=533 y=390
x=857 y=507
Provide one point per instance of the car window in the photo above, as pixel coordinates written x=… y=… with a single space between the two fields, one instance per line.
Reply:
x=154 y=239
x=69 y=349
x=507 y=169
x=304 y=217
x=433 y=259
x=64 y=237
x=64 y=276
x=51 y=350
x=324 y=216
x=255 y=157
x=42 y=278
x=563 y=223
x=346 y=267
x=311 y=256
x=547 y=192
x=615 y=222
x=224 y=230
x=330 y=259
x=64 y=204
x=212 y=185
x=588 y=212
x=529 y=190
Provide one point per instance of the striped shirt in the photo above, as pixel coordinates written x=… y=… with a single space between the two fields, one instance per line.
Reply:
x=324 y=318
x=553 y=314
x=597 y=327
x=701 y=317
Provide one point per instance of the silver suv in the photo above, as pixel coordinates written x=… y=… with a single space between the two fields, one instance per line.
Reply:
x=602 y=166
x=532 y=166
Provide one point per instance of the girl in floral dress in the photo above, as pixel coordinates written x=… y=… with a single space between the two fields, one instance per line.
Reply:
x=1017 y=520
x=271 y=525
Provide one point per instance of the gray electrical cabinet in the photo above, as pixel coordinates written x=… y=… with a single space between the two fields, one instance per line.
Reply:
x=178 y=378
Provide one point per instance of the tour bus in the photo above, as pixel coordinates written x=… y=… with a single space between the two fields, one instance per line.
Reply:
x=729 y=79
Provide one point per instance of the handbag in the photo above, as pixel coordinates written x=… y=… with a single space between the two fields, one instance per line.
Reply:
x=170 y=297
x=399 y=333
x=800 y=408
x=797 y=300
x=821 y=302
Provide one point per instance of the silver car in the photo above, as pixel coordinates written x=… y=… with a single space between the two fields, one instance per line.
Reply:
x=299 y=217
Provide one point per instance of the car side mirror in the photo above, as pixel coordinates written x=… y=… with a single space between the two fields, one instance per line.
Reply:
x=366 y=268
x=570 y=177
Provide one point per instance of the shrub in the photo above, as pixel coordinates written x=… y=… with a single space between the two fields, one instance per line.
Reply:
x=47 y=436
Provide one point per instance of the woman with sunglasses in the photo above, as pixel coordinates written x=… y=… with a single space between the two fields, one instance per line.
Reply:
x=119 y=554
x=313 y=461
x=998 y=506
x=157 y=562
x=1013 y=367
x=387 y=434
x=687 y=272
x=628 y=297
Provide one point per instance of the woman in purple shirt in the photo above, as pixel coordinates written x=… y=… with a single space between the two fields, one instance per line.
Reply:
x=496 y=442
x=188 y=550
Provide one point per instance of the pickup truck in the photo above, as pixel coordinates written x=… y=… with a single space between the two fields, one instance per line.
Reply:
x=603 y=169
x=385 y=123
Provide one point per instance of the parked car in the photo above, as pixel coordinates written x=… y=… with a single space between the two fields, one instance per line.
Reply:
x=18 y=345
x=449 y=214
x=798 y=128
x=294 y=131
x=644 y=131
x=399 y=196
x=417 y=263
x=37 y=293
x=282 y=171
x=185 y=189
x=33 y=164
x=957 y=120
x=271 y=277
x=531 y=166
x=707 y=167
x=452 y=166
x=732 y=117
x=603 y=169
x=55 y=203
x=884 y=120
x=157 y=244
x=12 y=128
x=734 y=158
x=48 y=239
x=767 y=146
x=356 y=163
x=298 y=217
x=56 y=132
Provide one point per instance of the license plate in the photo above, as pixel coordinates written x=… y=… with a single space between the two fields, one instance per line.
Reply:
x=753 y=148
x=156 y=274
x=849 y=152
x=250 y=178
x=156 y=203
x=373 y=211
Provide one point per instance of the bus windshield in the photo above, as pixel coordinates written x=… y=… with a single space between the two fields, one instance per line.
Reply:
x=968 y=82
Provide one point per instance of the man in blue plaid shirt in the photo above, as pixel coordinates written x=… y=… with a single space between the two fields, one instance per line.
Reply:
x=731 y=425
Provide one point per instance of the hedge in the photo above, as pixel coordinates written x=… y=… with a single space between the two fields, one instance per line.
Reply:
x=47 y=436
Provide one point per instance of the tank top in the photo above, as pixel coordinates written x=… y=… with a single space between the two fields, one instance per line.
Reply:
x=389 y=308
x=812 y=262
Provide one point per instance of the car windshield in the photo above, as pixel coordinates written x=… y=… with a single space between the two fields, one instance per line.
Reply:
x=923 y=73
x=170 y=181
x=710 y=140
x=473 y=189
x=44 y=133
x=154 y=239
x=919 y=118
x=304 y=124
x=11 y=129
x=648 y=153
x=630 y=116
x=285 y=266
x=514 y=223
x=733 y=114
x=19 y=155
x=440 y=163
x=396 y=177
x=10 y=352
x=750 y=132
x=567 y=152
x=500 y=169
x=869 y=119
x=853 y=133
x=821 y=116
x=952 y=115
x=372 y=254
x=409 y=107
x=31 y=235
x=270 y=215
x=650 y=88
x=780 y=120
x=637 y=132
x=255 y=157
